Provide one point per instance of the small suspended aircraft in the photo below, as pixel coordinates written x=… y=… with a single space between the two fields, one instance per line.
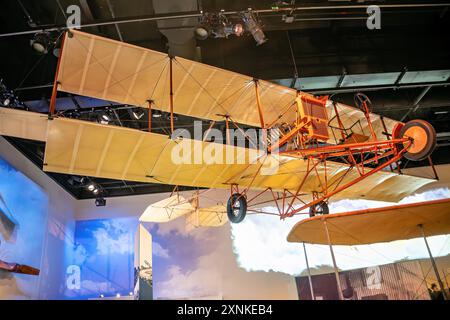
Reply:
x=325 y=150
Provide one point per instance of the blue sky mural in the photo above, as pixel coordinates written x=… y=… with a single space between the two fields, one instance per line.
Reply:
x=102 y=259
x=23 y=217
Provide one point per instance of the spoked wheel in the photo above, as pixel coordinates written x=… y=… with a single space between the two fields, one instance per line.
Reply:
x=423 y=137
x=236 y=208
x=319 y=208
x=362 y=100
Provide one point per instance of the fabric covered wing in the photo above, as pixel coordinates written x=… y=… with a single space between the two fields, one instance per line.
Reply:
x=91 y=149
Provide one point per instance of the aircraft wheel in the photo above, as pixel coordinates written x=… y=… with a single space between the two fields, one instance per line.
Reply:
x=236 y=208
x=423 y=138
x=319 y=208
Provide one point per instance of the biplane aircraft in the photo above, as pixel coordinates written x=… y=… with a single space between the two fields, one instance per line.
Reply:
x=326 y=150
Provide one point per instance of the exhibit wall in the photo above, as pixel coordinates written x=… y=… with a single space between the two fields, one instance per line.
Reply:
x=23 y=212
x=101 y=261
x=56 y=226
x=195 y=264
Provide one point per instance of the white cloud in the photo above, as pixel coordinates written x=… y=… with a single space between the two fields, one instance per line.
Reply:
x=260 y=242
x=159 y=251
x=113 y=239
x=204 y=281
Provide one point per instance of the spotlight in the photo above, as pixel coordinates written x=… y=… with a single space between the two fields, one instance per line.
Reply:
x=102 y=296
x=201 y=33
x=95 y=191
x=100 y=202
x=6 y=102
x=41 y=42
x=118 y=295
x=156 y=114
x=104 y=118
x=91 y=187
x=138 y=114
x=254 y=27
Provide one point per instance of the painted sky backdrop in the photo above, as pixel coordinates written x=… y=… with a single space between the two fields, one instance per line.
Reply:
x=103 y=251
x=247 y=260
x=23 y=213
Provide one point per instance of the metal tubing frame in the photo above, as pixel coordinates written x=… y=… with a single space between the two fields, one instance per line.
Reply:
x=433 y=263
x=52 y=108
x=347 y=185
x=171 y=94
x=336 y=271
x=309 y=273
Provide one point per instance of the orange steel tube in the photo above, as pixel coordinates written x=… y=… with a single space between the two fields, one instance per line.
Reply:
x=345 y=147
x=349 y=184
x=171 y=95
x=150 y=116
x=55 y=83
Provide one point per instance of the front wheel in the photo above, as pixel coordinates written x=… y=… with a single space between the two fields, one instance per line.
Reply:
x=236 y=208
x=423 y=138
x=319 y=208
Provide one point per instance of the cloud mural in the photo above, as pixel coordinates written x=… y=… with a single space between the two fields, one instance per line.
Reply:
x=101 y=259
x=21 y=230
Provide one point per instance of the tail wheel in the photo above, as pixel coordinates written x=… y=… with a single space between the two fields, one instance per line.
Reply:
x=236 y=208
x=423 y=137
x=319 y=208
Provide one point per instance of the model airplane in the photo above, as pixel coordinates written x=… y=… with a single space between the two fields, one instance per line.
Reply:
x=326 y=151
x=18 y=268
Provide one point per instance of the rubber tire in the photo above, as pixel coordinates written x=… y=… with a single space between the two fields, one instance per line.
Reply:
x=431 y=139
x=242 y=208
x=313 y=210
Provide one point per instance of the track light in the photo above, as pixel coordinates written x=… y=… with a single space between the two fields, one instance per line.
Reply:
x=6 y=102
x=91 y=187
x=95 y=191
x=216 y=25
x=41 y=42
x=156 y=114
x=201 y=33
x=104 y=118
x=253 y=26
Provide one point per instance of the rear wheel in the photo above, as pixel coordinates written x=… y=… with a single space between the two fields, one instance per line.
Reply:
x=423 y=137
x=236 y=208
x=319 y=208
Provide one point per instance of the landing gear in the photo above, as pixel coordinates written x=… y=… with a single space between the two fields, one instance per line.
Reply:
x=423 y=138
x=319 y=208
x=236 y=208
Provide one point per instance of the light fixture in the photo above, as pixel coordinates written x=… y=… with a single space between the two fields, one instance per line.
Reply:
x=100 y=202
x=118 y=295
x=104 y=117
x=102 y=296
x=41 y=42
x=201 y=33
x=138 y=114
x=91 y=187
x=156 y=114
x=96 y=190
x=253 y=26
x=217 y=25
x=6 y=102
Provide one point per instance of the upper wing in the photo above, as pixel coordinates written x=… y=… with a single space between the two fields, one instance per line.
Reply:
x=107 y=69
x=91 y=149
